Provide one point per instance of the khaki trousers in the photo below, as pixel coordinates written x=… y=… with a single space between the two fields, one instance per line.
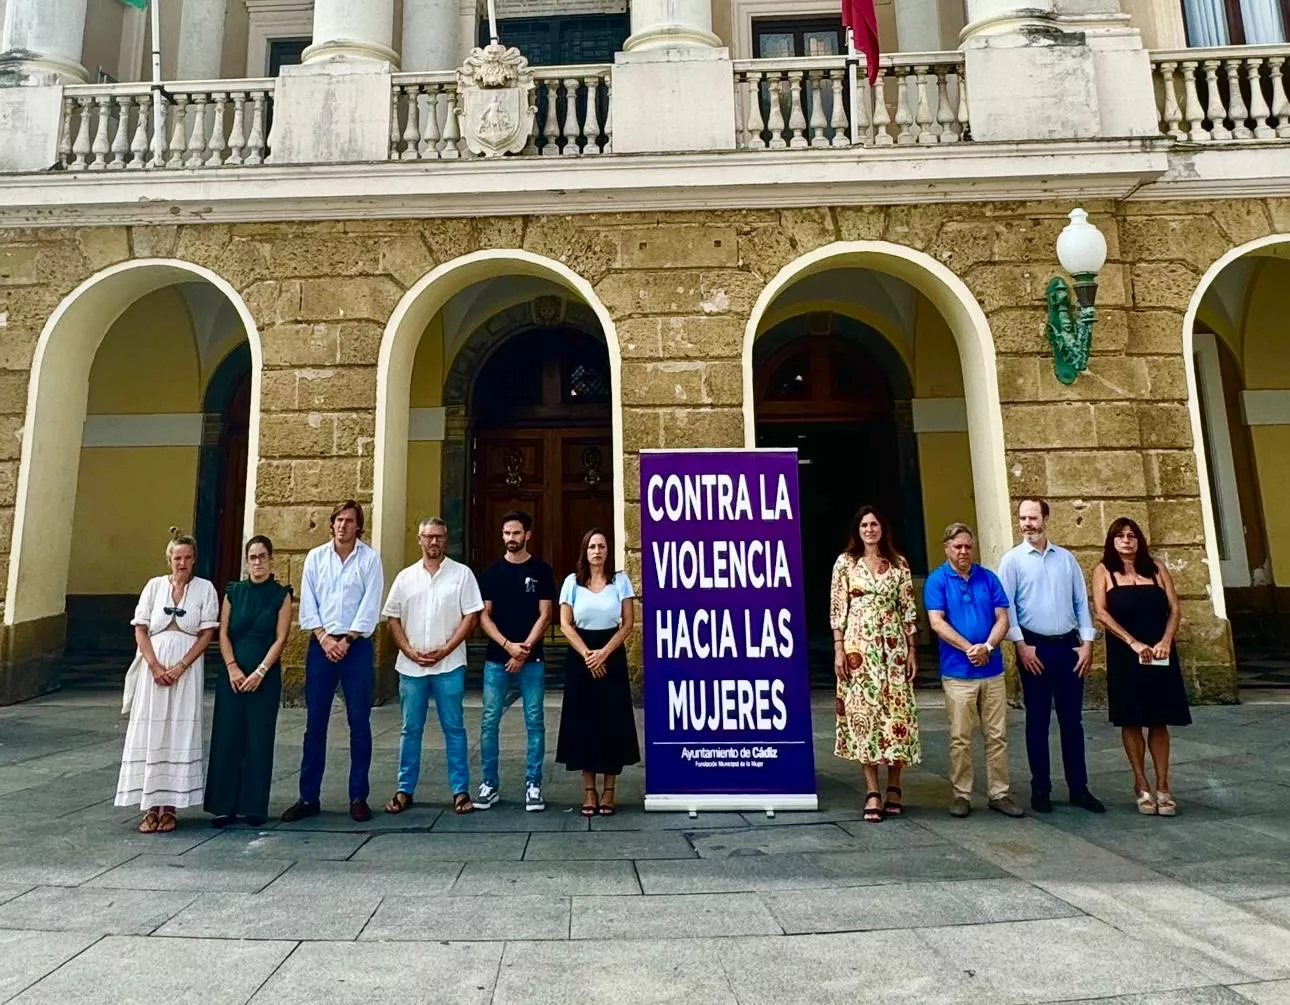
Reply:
x=969 y=703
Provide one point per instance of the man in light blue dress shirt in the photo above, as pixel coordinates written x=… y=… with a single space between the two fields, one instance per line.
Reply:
x=1052 y=628
x=340 y=604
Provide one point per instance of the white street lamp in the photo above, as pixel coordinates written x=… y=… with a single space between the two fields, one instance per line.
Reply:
x=1081 y=248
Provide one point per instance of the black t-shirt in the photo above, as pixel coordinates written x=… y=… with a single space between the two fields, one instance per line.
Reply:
x=515 y=588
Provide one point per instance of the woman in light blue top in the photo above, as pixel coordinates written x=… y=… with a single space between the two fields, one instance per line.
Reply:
x=597 y=721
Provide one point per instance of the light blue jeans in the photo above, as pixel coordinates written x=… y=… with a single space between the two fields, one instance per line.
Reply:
x=414 y=696
x=531 y=682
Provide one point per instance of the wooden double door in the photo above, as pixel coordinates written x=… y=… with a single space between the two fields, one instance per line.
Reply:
x=562 y=476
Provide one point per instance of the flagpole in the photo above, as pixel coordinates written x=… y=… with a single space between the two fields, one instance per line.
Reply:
x=853 y=82
x=158 y=92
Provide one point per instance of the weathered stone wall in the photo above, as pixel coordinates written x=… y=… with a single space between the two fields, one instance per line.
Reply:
x=680 y=287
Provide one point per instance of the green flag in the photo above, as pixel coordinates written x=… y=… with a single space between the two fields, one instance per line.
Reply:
x=141 y=4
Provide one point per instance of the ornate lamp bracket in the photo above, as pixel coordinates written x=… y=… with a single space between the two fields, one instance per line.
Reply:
x=1070 y=326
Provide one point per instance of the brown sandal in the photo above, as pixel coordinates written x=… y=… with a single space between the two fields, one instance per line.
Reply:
x=589 y=806
x=399 y=802
x=461 y=804
x=607 y=800
x=167 y=823
x=148 y=825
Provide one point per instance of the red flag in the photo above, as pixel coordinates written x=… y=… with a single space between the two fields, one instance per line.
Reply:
x=862 y=19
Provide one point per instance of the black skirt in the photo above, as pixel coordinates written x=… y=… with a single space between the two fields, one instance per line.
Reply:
x=597 y=721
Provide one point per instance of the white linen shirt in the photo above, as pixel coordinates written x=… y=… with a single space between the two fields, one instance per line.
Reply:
x=431 y=608
x=599 y=611
x=1046 y=592
x=341 y=597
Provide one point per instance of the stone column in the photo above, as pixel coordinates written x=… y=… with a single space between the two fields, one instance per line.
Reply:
x=201 y=39
x=353 y=30
x=665 y=24
x=431 y=35
x=44 y=37
x=999 y=16
x=918 y=26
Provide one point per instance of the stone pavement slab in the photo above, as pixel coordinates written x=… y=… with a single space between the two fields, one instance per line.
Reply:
x=632 y=817
x=28 y=956
x=333 y=881
x=1268 y=993
x=160 y=872
x=1239 y=878
x=102 y=912
x=912 y=905
x=1189 y=996
x=887 y=967
x=469 y=919
x=254 y=845
x=131 y=969
x=294 y=916
x=640 y=971
x=741 y=874
x=1028 y=961
x=19 y=867
x=879 y=868
x=637 y=845
x=685 y=916
x=562 y=879
x=509 y=818
x=360 y=973
x=10 y=890
x=774 y=841
x=397 y=849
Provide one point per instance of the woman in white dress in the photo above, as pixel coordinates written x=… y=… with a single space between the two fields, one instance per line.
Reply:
x=161 y=766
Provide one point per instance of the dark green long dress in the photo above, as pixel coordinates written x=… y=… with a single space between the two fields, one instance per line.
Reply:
x=245 y=725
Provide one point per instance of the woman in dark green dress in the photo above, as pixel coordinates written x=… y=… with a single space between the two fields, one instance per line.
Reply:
x=253 y=627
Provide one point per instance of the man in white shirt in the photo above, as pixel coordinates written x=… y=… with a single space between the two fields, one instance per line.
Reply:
x=433 y=606
x=340 y=603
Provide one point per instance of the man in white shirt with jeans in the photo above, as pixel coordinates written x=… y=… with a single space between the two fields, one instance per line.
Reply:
x=433 y=606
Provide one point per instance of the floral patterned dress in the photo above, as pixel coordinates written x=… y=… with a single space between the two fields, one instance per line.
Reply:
x=877 y=717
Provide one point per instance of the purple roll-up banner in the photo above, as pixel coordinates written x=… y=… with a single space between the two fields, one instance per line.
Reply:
x=727 y=691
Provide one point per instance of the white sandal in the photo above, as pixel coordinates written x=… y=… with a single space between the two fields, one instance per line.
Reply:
x=1165 y=805
x=1147 y=804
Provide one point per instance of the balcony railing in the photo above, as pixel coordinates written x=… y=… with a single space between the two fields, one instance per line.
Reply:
x=204 y=124
x=573 y=114
x=1235 y=94
x=918 y=98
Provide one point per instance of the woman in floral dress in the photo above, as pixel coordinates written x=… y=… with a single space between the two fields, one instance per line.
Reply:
x=874 y=623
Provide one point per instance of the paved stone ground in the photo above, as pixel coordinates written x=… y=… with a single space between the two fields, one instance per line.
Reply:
x=507 y=907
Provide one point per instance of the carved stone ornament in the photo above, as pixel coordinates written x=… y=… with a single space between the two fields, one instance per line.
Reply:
x=495 y=87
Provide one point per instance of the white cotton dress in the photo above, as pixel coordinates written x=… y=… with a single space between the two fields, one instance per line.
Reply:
x=162 y=761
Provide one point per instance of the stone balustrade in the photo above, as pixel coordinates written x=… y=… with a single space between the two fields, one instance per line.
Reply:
x=204 y=124
x=573 y=114
x=827 y=102
x=1235 y=94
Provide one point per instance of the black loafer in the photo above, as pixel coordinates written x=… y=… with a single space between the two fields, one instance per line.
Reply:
x=299 y=811
x=1041 y=802
x=1085 y=800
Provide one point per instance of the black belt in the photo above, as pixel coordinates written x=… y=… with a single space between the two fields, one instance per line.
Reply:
x=1071 y=638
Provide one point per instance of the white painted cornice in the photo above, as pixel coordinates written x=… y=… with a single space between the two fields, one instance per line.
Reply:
x=1223 y=171
x=969 y=172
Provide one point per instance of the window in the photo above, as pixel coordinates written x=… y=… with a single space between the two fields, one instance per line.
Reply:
x=562 y=41
x=1236 y=22
x=784 y=38
x=285 y=52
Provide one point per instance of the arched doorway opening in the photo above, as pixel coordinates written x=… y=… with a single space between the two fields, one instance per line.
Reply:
x=1241 y=423
x=492 y=347
x=541 y=441
x=221 y=476
x=822 y=390
x=877 y=363
x=112 y=448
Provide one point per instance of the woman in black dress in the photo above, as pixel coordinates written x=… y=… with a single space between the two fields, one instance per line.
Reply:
x=253 y=627
x=1134 y=599
x=597 y=721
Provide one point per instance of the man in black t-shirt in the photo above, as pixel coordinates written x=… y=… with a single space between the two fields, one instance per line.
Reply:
x=519 y=602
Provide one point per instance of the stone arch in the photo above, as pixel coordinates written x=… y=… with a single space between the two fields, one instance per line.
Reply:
x=56 y=408
x=414 y=312
x=1213 y=556
x=971 y=331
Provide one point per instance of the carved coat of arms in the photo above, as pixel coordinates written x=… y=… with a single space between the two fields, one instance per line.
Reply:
x=496 y=91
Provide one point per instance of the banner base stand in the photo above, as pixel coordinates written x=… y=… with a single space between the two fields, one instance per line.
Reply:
x=768 y=804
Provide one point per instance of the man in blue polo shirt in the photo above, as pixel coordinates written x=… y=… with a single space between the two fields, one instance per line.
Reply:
x=968 y=610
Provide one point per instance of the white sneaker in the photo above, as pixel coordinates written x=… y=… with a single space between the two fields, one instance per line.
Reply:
x=533 y=798
x=488 y=794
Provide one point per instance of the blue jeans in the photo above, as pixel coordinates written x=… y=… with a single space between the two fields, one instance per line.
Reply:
x=356 y=674
x=531 y=680
x=414 y=696
x=1058 y=685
